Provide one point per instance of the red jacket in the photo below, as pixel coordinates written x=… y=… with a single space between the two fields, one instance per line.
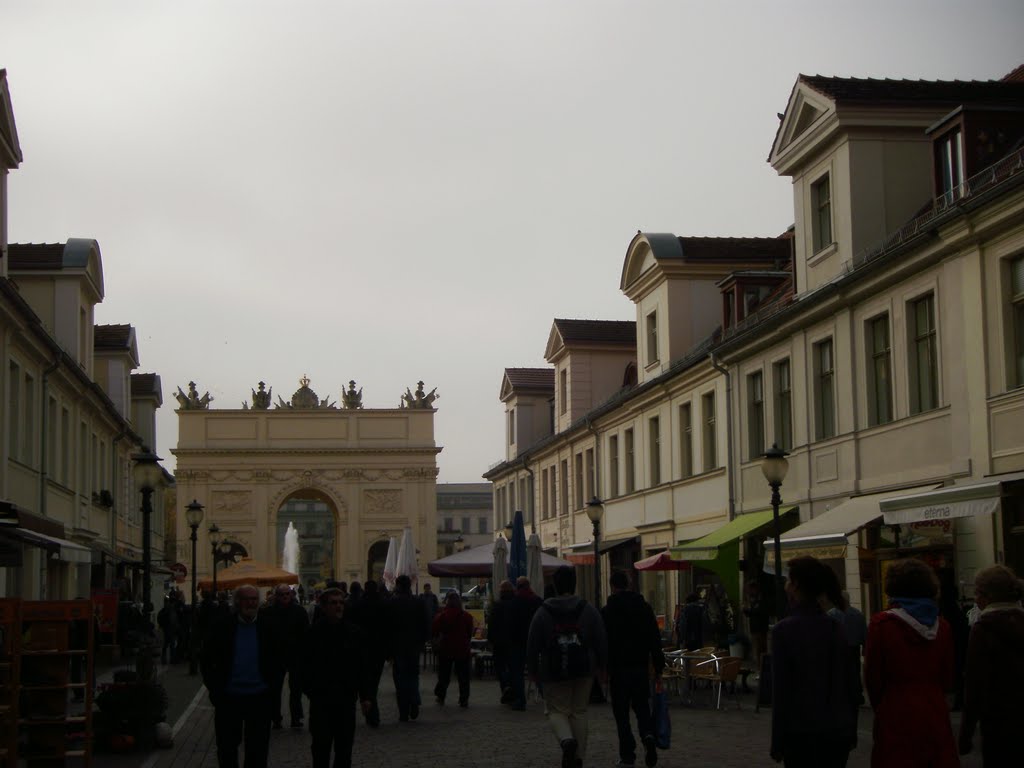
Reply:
x=453 y=628
x=907 y=677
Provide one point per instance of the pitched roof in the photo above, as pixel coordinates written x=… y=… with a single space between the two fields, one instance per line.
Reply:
x=531 y=378
x=736 y=248
x=112 y=337
x=144 y=384
x=36 y=255
x=918 y=92
x=1016 y=76
x=599 y=331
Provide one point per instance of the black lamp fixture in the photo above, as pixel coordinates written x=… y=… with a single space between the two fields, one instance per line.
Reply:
x=194 y=517
x=215 y=539
x=595 y=511
x=147 y=476
x=774 y=466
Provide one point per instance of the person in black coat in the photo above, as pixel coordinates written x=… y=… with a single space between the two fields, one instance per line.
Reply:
x=634 y=651
x=242 y=662
x=408 y=634
x=498 y=636
x=335 y=675
x=524 y=606
x=369 y=613
x=291 y=622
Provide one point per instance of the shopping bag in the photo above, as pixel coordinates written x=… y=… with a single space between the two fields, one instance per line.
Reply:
x=659 y=711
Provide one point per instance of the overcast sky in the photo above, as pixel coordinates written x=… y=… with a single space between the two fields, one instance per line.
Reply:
x=394 y=191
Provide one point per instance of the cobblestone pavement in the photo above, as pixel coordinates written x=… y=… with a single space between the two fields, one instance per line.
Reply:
x=490 y=734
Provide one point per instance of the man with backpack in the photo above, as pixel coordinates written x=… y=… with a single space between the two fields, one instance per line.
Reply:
x=566 y=648
x=634 y=651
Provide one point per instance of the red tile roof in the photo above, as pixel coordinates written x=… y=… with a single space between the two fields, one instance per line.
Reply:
x=600 y=331
x=1016 y=76
x=919 y=92
x=736 y=248
x=531 y=378
x=146 y=384
x=112 y=336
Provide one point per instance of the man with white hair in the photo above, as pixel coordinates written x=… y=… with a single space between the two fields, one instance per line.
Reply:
x=242 y=664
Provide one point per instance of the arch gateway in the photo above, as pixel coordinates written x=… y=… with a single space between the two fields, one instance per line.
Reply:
x=347 y=477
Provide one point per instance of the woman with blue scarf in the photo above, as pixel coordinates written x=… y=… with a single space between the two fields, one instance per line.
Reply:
x=908 y=669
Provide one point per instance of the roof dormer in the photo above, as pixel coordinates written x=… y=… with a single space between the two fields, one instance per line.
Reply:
x=116 y=356
x=10 y=158
x=528 y=395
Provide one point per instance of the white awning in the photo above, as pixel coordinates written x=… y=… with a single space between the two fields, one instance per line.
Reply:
x=977 y=497
x=68 y=551
x=826 y=534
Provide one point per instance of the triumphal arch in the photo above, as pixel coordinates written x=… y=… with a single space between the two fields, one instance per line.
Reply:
x=346 y=477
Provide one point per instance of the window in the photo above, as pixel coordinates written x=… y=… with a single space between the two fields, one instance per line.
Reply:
x=83 y=459
x=563 y=391
x=951 y=164
x=28 y=438
x=564 y=508
x=578 y=484
x=449 y=524
x=821 y=213
x=879 y=371
x=824 y=391
x=652 y=338
x=1017 y=308
x=13 y=407
x=630 y=465
x=924 y=368
x=481 y=525
x=51 y=437
x=65 y=446
x=524 y=497
x=686 y=440
x=465 y=527
x=729 y=298
x=654 y=435
x=783 y=405
x=707 y=403
x=511 y=426
x=554 y=492
x=613 y=466
x=545 y=509
x=755 y=415
x=589 y=469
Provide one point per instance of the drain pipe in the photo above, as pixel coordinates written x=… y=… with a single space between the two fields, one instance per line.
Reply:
x=729 y=468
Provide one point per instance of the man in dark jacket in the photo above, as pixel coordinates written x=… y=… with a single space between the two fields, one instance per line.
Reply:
x=634 y=649
x=370 y=615
x=408 y=635
x=498 y=620
x=242 y=663
x=291 y=622
x=335 y=674
x=524 y=606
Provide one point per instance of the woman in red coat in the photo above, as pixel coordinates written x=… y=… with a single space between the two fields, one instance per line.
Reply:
x=452 y=632
x=908 y=668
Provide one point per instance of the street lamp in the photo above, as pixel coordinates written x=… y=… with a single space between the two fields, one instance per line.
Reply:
x=774 y=466
x=193 y=516
x=147 y=475
x=595 y=510
x=215 y=539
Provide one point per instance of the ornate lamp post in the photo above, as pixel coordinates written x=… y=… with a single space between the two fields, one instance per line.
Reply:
x=595 y=511
x=147 y=475
x=215 y=539
x=193 y=516
x=774 y=466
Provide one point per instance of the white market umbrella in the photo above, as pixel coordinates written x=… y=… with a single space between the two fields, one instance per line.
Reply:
x=499 y=570
x=534 y=568
x=406 y=563
x=389 y=565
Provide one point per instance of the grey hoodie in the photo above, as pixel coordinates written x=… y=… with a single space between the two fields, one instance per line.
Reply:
x=543 y=625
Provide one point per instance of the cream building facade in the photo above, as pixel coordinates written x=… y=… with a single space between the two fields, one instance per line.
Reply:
x=882 y=346
x=368 y=473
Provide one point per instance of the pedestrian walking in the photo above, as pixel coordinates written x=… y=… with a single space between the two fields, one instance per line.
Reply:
x=908 y=669
x=566 y=648
x=369 y=614
x=690 y=631
x=634 y=656
x=810 y=691
x=408 y=633
x=499 y=635
x=291 y=622
x=525 y=604
x=169 y=621
x=855 y=630
x=452 y=632
x=242 y=663
x=335 y=676
x=994 y=687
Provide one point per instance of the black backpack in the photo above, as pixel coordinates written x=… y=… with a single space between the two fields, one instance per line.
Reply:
x=566 y=656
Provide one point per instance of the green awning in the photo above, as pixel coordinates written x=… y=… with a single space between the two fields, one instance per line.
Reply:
x=706 y=547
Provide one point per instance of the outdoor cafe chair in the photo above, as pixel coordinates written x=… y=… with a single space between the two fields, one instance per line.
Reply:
x=718 y=671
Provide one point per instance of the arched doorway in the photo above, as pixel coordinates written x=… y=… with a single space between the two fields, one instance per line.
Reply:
x=315 y=518
x=375 y=559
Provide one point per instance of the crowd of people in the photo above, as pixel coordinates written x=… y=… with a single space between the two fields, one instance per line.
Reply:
x=334 y=656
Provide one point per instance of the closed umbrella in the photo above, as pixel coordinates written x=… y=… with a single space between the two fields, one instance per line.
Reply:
x=389 y=564
x=534 y=569
x=517 y=548
x=406 y=563
x=499 y=569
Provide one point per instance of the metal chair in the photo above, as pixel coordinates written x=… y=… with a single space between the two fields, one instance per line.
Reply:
x=717 y=671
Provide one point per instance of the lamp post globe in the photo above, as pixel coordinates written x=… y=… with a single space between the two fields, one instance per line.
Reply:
x=194 y=517
x=595 y=511
x=147 y=474
x=774 y=466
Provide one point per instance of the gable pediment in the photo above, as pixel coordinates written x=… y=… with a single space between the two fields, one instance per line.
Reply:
x=555 y=345
x=10 y=149
x=807 y=112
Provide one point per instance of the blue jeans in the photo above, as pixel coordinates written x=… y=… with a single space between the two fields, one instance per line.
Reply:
x=405 y=671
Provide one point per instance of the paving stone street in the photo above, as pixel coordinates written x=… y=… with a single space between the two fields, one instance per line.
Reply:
x=490 y=734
